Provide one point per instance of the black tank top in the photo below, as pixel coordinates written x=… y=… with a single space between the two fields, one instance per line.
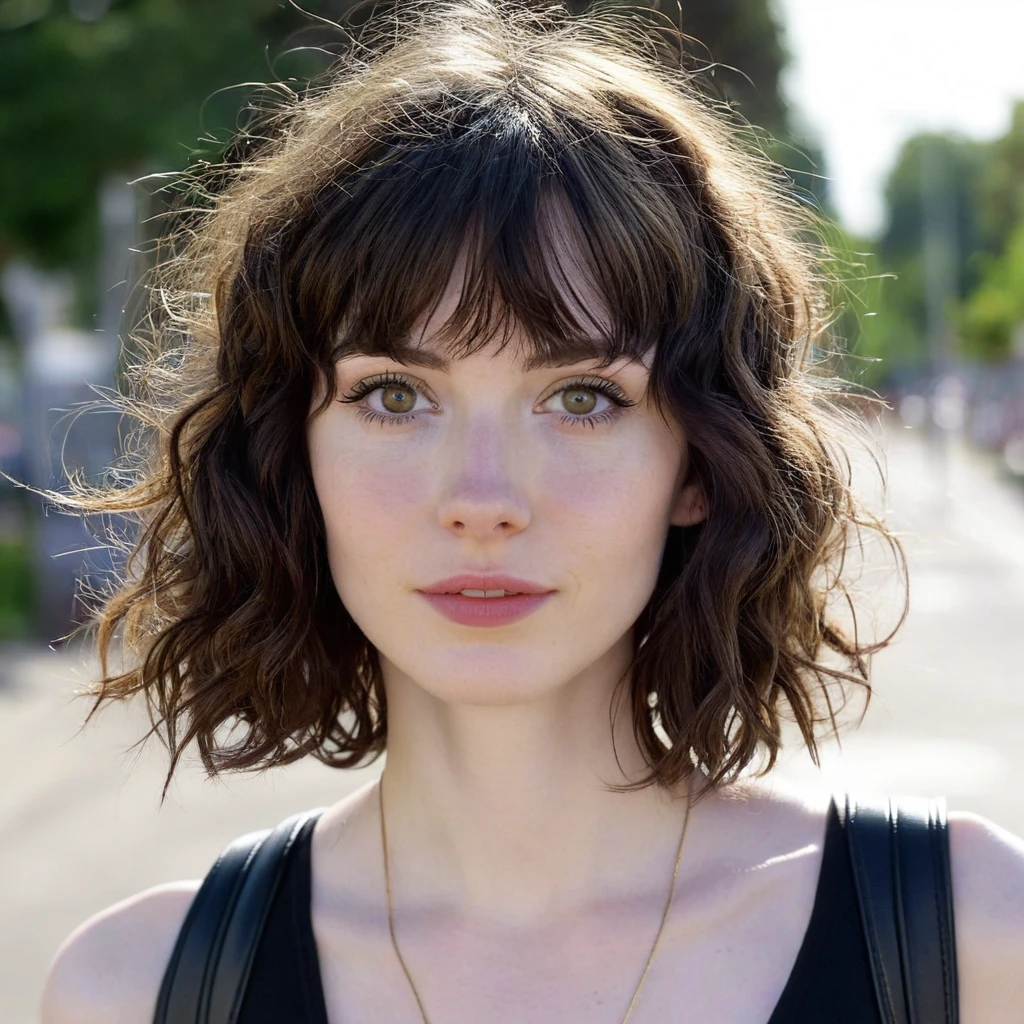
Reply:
x=831 y=979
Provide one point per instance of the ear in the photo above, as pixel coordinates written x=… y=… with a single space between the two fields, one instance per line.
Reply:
x=690 y=506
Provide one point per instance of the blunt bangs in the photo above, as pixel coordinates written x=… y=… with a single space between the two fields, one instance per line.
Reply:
x=511 y=196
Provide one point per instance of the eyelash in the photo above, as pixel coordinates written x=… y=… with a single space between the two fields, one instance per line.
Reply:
x=610 y=390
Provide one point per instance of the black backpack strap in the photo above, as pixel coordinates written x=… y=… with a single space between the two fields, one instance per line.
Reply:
x=209 y=967
x=900 y=855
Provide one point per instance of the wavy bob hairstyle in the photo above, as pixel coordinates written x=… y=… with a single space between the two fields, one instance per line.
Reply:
x=331 y=229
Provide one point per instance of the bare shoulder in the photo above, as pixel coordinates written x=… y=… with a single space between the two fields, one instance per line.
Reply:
x=110 y=967
x=987 y=867
x=777 y=813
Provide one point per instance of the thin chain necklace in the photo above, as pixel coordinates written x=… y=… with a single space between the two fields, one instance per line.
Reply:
x=650 y=956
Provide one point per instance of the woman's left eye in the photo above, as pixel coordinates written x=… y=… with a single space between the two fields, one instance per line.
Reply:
x=575 y=400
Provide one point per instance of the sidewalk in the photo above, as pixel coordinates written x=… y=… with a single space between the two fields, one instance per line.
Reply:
x=80 y=825
x=948 y=707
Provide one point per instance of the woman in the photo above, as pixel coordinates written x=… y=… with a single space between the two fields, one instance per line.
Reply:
x=485 y=429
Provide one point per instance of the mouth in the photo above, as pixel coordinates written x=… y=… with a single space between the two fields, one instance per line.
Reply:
x=486 y=588
x=488 y=594
x=485 y=602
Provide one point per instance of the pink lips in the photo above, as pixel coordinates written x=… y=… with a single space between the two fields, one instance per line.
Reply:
x=444 y=596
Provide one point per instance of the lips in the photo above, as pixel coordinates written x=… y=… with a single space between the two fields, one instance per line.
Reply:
x=488 y=612
x=475 y=581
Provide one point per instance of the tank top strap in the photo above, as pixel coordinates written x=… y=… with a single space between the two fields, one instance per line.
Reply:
x=831 y=978
x=285 y=983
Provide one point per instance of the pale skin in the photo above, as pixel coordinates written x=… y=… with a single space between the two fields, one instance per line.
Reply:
x=522 y=888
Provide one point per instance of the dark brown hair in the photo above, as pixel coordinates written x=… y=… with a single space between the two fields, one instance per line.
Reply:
x=332 y=228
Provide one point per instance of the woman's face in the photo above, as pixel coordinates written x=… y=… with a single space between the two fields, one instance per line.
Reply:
x=485 y=467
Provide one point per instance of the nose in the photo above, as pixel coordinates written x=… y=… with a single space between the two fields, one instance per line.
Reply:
x=483 y=493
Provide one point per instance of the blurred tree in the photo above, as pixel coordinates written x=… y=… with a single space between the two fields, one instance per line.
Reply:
x=953 y=168
x=745 y=38
x=981 y=195
x=1001 y=188
x=745 y=42
x=963 y=164
x=884 y=324
x=94 y=87
x=994 y=312
x=865 y=319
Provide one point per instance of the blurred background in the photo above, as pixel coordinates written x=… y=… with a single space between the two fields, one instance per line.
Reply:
x=901 y=120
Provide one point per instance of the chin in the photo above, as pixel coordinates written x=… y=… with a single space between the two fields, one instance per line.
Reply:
x=478 y=674
x=494 y=694
x=484 y=675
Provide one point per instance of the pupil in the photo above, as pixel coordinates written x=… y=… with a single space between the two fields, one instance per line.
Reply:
x=580 y=400
x=405 y=399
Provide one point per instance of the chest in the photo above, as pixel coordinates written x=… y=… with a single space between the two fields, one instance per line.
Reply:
x=726 y=955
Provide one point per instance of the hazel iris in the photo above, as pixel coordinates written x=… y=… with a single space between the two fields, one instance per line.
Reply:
x=404 y=398
x=579 y=400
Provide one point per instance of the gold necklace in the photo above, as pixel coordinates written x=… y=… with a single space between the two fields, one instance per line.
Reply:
x=650 y=956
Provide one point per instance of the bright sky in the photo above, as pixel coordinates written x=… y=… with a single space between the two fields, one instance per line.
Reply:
x=868 y=73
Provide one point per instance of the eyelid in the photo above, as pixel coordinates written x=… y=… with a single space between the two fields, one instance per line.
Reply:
x=604 y=385
x=385 y=377
x=367 y=385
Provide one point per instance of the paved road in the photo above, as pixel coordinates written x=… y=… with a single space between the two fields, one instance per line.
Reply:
x=80 y=825
x=948 y=707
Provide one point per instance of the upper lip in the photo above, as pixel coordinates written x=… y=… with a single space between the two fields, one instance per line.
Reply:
x=471 y=581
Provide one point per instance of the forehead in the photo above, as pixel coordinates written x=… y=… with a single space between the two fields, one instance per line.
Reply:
x=468 y=314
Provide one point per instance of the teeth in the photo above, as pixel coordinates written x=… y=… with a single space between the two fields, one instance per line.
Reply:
x=487 y=593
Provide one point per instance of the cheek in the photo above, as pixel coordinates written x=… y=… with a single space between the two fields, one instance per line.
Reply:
x=368 y=505
x=614 y=490
x=611 y=511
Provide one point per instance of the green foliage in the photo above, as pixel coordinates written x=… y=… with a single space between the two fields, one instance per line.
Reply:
x=1001 y=191
x=745 y=38
x=869 y=335
x=91 y=87
x=993 y=313
x=17 y=592
x=979 y=189
x=889 y=328
x=959 y=165
x=127 y=92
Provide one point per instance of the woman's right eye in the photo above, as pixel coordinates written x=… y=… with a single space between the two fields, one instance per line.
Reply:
x=397 y=399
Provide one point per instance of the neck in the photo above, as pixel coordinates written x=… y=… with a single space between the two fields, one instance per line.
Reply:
x=503 y=813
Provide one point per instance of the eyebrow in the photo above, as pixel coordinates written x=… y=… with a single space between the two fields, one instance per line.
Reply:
x=536 y=361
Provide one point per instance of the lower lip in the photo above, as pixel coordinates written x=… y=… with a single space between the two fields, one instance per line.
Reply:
x=486 y=611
